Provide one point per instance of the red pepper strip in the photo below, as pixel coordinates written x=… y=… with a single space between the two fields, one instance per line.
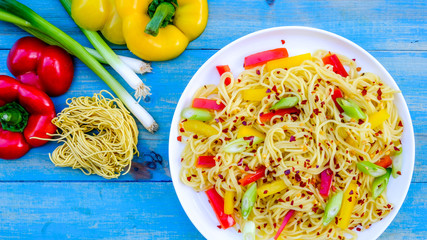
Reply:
x=223 y=69
x=333 y=60
x=217 y=203
x=41 y=112
x=207 y=104
x=48 y=68
x=285 y=221
x=326 y=182
x=384 y=162
x=205 y=162
x=250 y=178
x=337 y=94
x=281 y=112
x=260 y=58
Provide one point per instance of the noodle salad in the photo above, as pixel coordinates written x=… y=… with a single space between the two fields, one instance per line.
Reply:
x=295 y=147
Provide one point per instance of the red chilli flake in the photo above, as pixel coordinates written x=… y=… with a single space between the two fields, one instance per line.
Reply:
x=189 y=178
x=287 y=172
x=364 y=92
x=240 y=163
x=400 y=124
x=274 y=89
x=292 y=202
x=179 y=138
x=379 y=92
x=283 y=41
x=258 y=72
x=181 y=130
x=227 y=81
x=220 y=176
x=281 y=200
x=292 y=139
x=297 y=177
x=301 y=206
x=304 y=102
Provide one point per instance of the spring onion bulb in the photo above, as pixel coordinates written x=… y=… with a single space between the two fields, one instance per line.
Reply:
x=32 y=20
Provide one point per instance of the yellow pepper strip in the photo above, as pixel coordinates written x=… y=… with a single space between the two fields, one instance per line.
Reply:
x=228 y=202
x=271 y=188
x=376 y=119
x=247 y=131
x=287 y=62
x=254 y=95
x=349 y=201
x=199 y=128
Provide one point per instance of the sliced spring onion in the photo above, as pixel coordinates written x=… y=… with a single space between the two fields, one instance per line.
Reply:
x=286 y=102
x=36 y=23
x=248 y=200
x=380 y=184
x=249 y=231
x=240 y=144
x=196 y=114
x=332 y=208
x=396 y=166
x=351 y=108
x=371 y=169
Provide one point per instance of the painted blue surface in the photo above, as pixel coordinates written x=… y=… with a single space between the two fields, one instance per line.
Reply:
x=41 y=201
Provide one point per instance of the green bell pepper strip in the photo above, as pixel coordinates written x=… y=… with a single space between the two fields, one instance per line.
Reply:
x=351 y=108
x=332 y=208
x=371 y=169
x=248 y=200
x=286 y=102
x=196 y=114
x=380 y=184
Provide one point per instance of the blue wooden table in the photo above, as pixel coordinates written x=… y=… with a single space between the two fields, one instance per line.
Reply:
x=41 y=201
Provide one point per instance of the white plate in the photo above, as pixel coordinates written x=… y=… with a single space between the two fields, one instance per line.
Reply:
x=298 y=40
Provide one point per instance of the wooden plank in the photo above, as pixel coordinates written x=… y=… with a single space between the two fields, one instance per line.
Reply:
x=169 y=80
x=64 y=210
x=394 y=25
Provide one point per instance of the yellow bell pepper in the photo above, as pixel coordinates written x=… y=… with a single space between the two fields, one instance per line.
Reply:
x=288 y=62
x=199 y=127
x=228 y=202
x=247 y=131
x=376 y=119
x=254 y=95
x=153 y=38
x=349 y=201
x=271 y=188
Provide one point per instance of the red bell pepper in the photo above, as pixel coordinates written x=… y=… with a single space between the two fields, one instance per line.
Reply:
x=207 y=104
x=281 y=112
x=326 y=182
x=223 y=69
x=48 y=68
x=205 y=162
x=333 y=60
x=250 y=178
x=217 y=203
x=25 y=112
x=337 y=94
x=283 y=225
x=384 y=162
x=260 y=58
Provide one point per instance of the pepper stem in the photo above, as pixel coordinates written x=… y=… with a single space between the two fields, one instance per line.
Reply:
x=164 y=12
x=13 y=117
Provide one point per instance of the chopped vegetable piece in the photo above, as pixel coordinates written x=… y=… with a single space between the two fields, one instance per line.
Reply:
x=281 y=112
x=236 y=146
x=351 y=108
x=384 y=162
x=271 y=188
x=196 y=114
x=250 y=178
x=222 y=69
x=260 y=58
x=376 y=119
x=283 y=225
x=205 y=162
x=371 y=169
x=286 y=102
x=337 y=94
x=332 y=208
x=229 y=202
x=217 y=203
x=380 y=184
x=396 y=166
x=248 y=200
x=326 y=182
x=254 y=95
x=199 y=127
x=338 y=68
x=349 y=201
x=208 y=104
x=249 y=231
x=248 y=131
x=287 y=62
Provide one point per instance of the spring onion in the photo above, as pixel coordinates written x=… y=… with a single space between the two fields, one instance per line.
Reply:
x=380 y=184
x=286 y=102
x=371 y=169
x=248 y=200
x=249 y=231
x=240 y=144
x=396 y=166
x=141 y=90
x=351 y=108
x=37 y=23
x=196 y=114
x=332 y=208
